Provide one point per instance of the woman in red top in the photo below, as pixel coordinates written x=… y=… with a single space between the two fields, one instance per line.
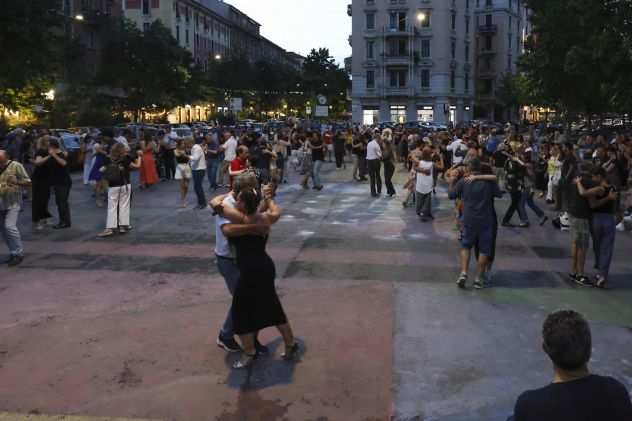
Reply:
x=148 y=173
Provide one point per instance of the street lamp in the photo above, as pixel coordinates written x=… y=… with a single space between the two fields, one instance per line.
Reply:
x=218 y=57
x=79 y=17
x=421 y=16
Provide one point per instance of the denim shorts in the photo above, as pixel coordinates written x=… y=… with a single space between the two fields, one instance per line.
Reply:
x=481 y=235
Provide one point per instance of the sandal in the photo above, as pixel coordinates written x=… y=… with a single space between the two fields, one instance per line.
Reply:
x=290 y=352
x=106 y=233
x=245 y=361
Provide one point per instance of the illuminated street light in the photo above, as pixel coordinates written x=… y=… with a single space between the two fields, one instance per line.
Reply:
x=50 y=95
x=421 y=16
x=218 y=57
x=79 y=17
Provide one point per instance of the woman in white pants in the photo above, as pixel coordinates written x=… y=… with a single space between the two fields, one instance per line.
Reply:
x=117 y=174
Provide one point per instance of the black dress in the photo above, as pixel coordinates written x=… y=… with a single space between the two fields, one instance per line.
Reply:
x=41 y=188
x=256 y=304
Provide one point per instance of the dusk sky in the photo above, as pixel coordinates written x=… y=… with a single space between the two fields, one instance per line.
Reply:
x=300 y=25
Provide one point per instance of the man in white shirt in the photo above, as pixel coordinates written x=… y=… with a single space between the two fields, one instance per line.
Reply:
x=198 y=168
x=424 y=185
x=230 y=153
x=458 y=149
x=226 y=260
x=373 y=159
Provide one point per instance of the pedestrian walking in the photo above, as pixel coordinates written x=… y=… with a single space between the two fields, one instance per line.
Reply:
x=41 y=184
x=318 y=148
x=96 y=175
x=167 y=148
x=229 y=148
x=13 y=178
x=184 y=174
x=388 y=158
x=198 y=168
x=212 y=160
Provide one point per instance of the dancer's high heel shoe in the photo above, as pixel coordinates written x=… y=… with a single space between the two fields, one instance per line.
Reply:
x=245 y=361
x=291 y=352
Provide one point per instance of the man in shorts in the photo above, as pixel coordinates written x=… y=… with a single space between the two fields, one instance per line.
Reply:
x=579 y=225
x=476 y=191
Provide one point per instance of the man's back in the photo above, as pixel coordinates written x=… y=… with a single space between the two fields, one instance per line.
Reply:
x=478 y=205
x=591 y=398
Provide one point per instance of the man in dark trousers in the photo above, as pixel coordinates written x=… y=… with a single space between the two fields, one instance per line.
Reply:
x=374 y=160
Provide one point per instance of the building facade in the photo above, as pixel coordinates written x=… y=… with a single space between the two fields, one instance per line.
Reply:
x=419 y=60
x=202 y=31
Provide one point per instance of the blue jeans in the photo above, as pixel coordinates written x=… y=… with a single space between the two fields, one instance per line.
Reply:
x=212 y=165
x=527 y=200
x=229 y=270
x=316 y=173
x=603 y=233
x=10 y=232
x=198 y=178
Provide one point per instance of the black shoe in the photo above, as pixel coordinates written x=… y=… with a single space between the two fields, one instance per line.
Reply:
x=374 y=195
x=15 y=260
x=550 y=202
x=61 y=226
x=228 y=345
x=508 y=225
x=584 y=281
x=524 y=225
x=261 y=349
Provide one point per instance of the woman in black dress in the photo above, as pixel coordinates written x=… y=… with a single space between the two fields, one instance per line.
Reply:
x=61 y=182
x=256 y=304
x=41 y=184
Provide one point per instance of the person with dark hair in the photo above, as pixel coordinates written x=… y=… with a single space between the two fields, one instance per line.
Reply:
x=575 y=393
x=424 y=185
x=256 y=304
x=476 y=191
x=198 y=169
x=41 y=184
x=579 y=225
x=515 y=173
x=60 y=181
x=602 y=199
x=13 y=177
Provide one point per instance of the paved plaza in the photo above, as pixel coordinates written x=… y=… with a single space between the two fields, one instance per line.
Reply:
x=126 y=326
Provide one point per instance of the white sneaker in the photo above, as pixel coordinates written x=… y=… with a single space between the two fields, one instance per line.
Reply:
x=621 y=227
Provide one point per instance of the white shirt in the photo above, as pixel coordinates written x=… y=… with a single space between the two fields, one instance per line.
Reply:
x=424 y=182
x=454 y=147
x=198 y=160
x=373 y=151
x=230 y=149
x=222 y=248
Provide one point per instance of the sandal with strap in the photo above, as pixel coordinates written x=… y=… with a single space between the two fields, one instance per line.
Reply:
x=290 y=352
x=245 y=361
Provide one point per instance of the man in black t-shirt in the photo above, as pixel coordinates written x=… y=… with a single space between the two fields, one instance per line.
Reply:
x=575 y=394
x=579 y=213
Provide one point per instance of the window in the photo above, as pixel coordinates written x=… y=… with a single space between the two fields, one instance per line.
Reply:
x=370 y=79
x=186 y=37
x=426 y=114
x=187 y=17
x=488 y=3
x=425 y=23
x=370 y=2
x=397 y=78
x=488 y=20
x=145 y=26
x=467 y=4
x=453 y=49
x=488 y=43
x=178 y=11
x=467 y=53
x=453 y=21
x=467 y=82
x=370 y=49
x=452 y=80
x=425 y=48
x=370 y=21
x=425 y=78
x=178 y=33
x=397 y=21
x=398 y=114
x=370 y=117
x=467 y=24
x=145 y=7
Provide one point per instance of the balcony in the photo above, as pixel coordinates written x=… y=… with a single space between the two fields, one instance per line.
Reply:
x=397 y=31
x=487 y=52
x=399 y=92
x=397 y=59
x=487 y=74
x=487 y=29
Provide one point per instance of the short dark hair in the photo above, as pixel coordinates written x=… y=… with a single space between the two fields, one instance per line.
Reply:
x=567 y=339
x=475 y=165
x=599 y=171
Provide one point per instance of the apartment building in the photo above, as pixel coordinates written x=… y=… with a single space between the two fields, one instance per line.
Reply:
x=202 y=31
x=423 y=59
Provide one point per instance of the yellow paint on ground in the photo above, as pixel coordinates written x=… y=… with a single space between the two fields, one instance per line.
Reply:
x=5 y=416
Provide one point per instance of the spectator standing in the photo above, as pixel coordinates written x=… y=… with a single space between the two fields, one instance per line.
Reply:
x=579 y=227
x=167 y=148
x=424 y=185
x=318 y=148
x=212 y=160
x=388 y=157
x=575 y=394
x=198 y=168
x=229 y=148
x=13 y=178
x=183 y=169
x=373 y=159
x=41 y=184
x=148 y=172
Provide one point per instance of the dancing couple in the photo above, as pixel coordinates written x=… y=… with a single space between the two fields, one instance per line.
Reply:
x=242 y=226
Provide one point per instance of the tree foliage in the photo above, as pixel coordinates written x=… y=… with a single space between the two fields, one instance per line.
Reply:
x=579 y=56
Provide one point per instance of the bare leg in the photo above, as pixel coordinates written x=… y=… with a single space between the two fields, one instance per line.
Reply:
x=287 y=334
x=574 y=259
x=465 y=260
x=184 y=189
x=481 y=265
x=581 y=260
x=250 y=352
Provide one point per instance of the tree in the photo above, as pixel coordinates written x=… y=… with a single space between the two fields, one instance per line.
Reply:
x=30 y=34
x=321 y=75
x=149 y=67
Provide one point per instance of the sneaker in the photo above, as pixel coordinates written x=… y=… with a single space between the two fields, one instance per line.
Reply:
x=564 y=228
x=572 y=276
x=15 y=260
x=228 y=345
x=261 y=349
x=524 y=225
x=106 y=233
x=478 y=284
x=584 y=281
x=462 y=280
x=620 y=227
